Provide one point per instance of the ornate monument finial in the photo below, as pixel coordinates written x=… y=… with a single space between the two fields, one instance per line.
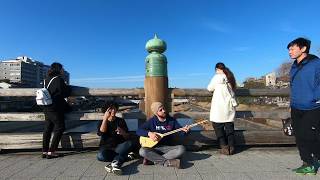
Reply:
x=156 y=45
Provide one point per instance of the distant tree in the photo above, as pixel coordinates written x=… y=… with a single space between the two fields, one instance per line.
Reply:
x=5 y=80
x=254 y=85
x=284 y=70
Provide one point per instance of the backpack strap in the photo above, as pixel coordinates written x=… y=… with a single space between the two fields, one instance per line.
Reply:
x=49 y=82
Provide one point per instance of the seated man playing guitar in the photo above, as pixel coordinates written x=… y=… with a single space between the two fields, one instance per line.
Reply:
x=164 y=152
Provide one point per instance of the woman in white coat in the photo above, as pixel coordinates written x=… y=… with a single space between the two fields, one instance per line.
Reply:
x=223 y=104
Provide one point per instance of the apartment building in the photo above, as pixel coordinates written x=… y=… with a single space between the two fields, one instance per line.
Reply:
x=25 y=72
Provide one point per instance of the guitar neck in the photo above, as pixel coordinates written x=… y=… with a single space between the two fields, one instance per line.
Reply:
x=180 y=129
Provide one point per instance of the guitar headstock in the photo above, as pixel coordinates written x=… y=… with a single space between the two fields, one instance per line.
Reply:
x=200 y=121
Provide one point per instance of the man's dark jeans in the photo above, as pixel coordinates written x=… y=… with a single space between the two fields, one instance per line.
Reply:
x=120 y=153
x=306 y=127
x=54 y=122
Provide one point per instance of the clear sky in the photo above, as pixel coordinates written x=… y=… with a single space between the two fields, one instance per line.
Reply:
x=102 y=42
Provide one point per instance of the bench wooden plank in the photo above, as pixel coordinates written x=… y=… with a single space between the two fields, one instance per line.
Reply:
x=23 y=116
x=198 y=138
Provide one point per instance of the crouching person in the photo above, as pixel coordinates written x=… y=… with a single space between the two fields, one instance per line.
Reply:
x=115 y=143
x=164 y=152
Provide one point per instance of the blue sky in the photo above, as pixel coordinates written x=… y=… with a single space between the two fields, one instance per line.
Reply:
x=102 y=42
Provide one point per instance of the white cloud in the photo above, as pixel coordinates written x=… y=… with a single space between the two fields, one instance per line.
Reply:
x=216 y=26
x=138 y=78
x=188 y=76
x=128 y=79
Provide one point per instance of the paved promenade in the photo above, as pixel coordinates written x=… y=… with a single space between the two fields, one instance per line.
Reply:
x=252 y=164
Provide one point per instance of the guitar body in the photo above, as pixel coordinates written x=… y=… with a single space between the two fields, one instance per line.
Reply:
x=148 y=142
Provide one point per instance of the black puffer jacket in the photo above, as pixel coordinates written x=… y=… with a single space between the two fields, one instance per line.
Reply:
x=58 y=90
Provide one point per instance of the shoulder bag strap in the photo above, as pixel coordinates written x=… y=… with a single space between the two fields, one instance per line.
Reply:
x=230 y=89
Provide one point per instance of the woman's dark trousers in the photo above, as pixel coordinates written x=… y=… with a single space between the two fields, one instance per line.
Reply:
x=54 y=122
x=224 y=133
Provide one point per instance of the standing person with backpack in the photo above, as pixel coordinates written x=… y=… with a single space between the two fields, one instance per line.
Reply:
x=305 y=104
x=223 y=103
x=54 y=113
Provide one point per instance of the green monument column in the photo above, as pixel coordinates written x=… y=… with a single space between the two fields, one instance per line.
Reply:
x=156 y=79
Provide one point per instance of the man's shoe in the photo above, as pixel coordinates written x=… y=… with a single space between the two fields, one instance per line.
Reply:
x=173 y=163
x=317 y=164
x=304 y=164
x=306 y=170
x=44 y=155
x=147 y=162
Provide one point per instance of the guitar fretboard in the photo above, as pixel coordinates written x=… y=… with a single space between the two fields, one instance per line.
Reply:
x=180 y=129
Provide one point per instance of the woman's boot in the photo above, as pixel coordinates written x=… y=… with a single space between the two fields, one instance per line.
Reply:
x=231 y=150
x=224 y=149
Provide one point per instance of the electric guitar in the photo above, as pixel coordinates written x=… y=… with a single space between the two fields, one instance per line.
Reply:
x=148 y=142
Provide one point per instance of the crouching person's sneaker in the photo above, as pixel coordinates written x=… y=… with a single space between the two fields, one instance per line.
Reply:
x=113 y=167
x=131 y=156
x=306 y=170
x=173 y=163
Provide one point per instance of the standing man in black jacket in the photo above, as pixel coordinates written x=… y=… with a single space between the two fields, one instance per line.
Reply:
x=54 y=113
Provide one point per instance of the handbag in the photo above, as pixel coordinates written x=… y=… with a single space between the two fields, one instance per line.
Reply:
x=233 y=100
x=287 y=127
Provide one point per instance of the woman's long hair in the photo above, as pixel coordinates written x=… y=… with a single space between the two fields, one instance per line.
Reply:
x=55 y=69
x=228 y=73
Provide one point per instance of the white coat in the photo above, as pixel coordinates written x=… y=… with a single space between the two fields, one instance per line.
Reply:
x=221 y=109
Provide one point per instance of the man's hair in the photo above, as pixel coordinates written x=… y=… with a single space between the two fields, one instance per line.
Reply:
x=301 y=42
x=109 y=104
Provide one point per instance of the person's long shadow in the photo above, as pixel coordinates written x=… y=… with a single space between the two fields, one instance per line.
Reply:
x=186 y=162
x=189 y=157
x=131 y=168
x=74 y=130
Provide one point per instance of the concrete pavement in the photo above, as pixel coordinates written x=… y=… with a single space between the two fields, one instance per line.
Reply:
x=251 y=164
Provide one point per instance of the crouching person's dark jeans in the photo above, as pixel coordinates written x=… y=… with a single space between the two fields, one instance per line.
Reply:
x=119 y=154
